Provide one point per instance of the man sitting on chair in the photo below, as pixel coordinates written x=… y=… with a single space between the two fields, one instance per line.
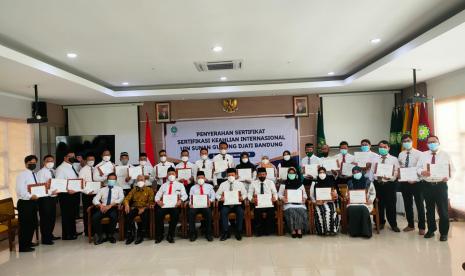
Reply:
x=201 y=188
x=107 y=200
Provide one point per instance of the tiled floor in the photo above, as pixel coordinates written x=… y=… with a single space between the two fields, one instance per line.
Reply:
x=385 y=254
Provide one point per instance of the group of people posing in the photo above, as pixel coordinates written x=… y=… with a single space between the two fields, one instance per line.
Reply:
x=218 y=180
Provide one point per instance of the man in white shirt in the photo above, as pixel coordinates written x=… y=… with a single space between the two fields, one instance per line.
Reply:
x=201 y=188
x=147 y=169
x=408 y=158
x=169 y=188
x=343 y=157
x=435 y=189
x=386 y=186
x=185 y=164
x=263 y=217
x=309 y=159
x=107 y=201
x=226 y=160
x=204 y=164
x=27 y=204
x=365 y=146
x=123 y=178
x=161 y=168
x=87 y=174
x=47 y=204
x=104 y=168
x=69 y=202
x=231 y=185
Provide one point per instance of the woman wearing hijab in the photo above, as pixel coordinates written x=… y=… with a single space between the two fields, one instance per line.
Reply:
x=359 y=214
x=246 y=164
x=288 y=162
x=326 y=218
x=295 y=214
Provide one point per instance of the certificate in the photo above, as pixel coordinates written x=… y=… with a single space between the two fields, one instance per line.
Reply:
x=346 y=169
x=311 y=169
x=358 y=196
x=221 y=166
x=162 y=171
x=323 y=194
x=169 y=201
x=39 y=190
x=264 y=201
x=362 y=158
x=75 y=185
x=231 y=198
x=200 y=201
x=384 y=170
x=121 y=171
x=244 y=174
x=294 y=196
x=135 y=171
x=439 y=171
x=106 y=168
x=92 y=186
x=185 y=174
x=330 y=164
x=60 y=185
x=283 y=173
x=408 y=174
x=270 y=173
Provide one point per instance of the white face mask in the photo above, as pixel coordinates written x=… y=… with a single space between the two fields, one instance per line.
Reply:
x=231 y=178
x=245 y=160
x=49 y=165
x=204 y=157
x=106 y=158
x=201 y=181
x=163 y=159
x=140 y=184
x=322 y=176
x=90 y=163
x=287 y=157
x=223 y=151
x=185 y=158
x=265 y=161
x=142 y=162
x=171 y=177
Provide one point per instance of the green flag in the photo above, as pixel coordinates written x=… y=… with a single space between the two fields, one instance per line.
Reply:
x=320 y=132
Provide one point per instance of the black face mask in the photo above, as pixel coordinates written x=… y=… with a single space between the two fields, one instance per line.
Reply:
x=324 y=154
x=31 y=167
x=261 y=178
x=72 y=160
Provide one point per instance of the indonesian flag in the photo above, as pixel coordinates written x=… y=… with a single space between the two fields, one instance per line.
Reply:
x=149 y=150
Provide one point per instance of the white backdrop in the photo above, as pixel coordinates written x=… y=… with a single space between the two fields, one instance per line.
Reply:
x=258 y=136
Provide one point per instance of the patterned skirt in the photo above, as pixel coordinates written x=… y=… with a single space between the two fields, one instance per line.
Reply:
x=326 y=219
x=296 y=218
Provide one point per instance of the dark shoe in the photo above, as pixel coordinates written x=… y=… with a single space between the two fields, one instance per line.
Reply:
x=294 y=236
x=209 y=238
x=111 y=239
x=238 y=236
x=443 y=238
x=34 y=244
x=73 y=237
x=408 y=229
x=224 y=237
x=159 y=239
x=55 y=238
x=192 y=237
x=395 y=229
x=170 y=239
x=129 y=239
x=381 y=226
x=140 y=238
x=27 y=249
x=78 y=233
x=48 y=242
x=299 y=236
x=98 y=240
x=429 y=235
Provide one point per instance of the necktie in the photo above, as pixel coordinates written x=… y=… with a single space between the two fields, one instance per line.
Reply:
x=109 y=195
x=383 y=159
x=170 y=189
x=52 y=173
x=262 y=189
x=308 y=160
x=433 y=159
x=407 y=159
x=34 y=175
x=92 y=173
x=343 y=158
x=201 y=189
x=230 y=186
x=203 y=166
x=143 y=170
x=74 y=170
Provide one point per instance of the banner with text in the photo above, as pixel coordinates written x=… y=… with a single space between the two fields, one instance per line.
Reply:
x=258 y=136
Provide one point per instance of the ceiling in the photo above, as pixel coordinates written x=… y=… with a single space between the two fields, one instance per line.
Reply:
x=285 y=48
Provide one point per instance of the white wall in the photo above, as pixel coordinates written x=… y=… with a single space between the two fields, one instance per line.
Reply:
x=448 y=85
x=14 y=107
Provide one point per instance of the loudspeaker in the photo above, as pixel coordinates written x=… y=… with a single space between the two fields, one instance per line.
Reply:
x=39 y=108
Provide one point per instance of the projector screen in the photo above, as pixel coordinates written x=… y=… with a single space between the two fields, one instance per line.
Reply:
x=353 y=117
x=119 y=120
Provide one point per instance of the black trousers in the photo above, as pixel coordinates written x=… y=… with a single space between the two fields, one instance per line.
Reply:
x=225 y=211
x=47 y=214
x=206 y=213
x=86 y=203
x=143 y=226
x=27 y=217
x=436 y=197
x=160 y=214
x=409 y=193
x=386 y=194
x=68 y=206
x=112 y=214
x=264 y=220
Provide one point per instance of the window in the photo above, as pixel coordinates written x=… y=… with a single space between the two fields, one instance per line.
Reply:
x=16 y=139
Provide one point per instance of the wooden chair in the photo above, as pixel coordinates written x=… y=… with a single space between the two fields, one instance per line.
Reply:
x=249 y=217
x=104 y=221
x=374 y=213
x=137 y=219
x=199 y=218
x=182 y=220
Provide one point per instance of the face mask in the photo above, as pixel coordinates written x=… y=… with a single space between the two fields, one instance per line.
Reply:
x=343 y=151
x=309 y=154
x=287 y=157
x=31 y=167
x=90 y=163
x=324 y=154
x=106 y=158
x=245 y=160
x=407 y=145
x=163 y=159
x=231 y=178
x=291 y=176
x=433 y=146
x=204 y=157
x=383 y=151
x=265 y=161
x=201 y=181
x=261 y=178
x=124 y=162
x=223 y=151
x=72 y=160
x=50 y=165
x=322 y=176
x=142 y=162
x=140 y=184
x=358 y=176
x=185 y=158
x=171 y=178
x=365 y=148
x=111 y=182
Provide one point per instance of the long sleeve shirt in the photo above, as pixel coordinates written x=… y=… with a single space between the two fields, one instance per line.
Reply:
x=44 y=175
x=23 y=179
x=235 y=185
x=140 y=197
x=66 y=171
x=177 y=188
x=268 y=188
x=204 y=165
x=389 y=159
x=117 y=196
x=87 y=174
x=207 y=190
x=441 y=157
x=222 y=175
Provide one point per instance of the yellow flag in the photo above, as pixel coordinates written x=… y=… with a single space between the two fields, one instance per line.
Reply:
x=406 y=123
x=415 y=120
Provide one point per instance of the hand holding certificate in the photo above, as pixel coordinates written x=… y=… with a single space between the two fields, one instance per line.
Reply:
x=358 y=197
x=162 y=171
x=330 y=164
x=60 y=185
x=185 y=174
x=92 y=187
x=200 y=201
x=231 y=198
x=106 y=168
x=263 y=201
x=294 y=196
x=221 y=166
x=346 y=169
x=121 y=171
x=170 y=201
x=244 y=174
x=39 y=190
x=323 y=194
x=75 y=185
x=384 y=170
x=439 y=171
x=135 y=171
x=362 y=158
x=283 y=173
x=270 y=173
x=408 y=174
x=311 y=170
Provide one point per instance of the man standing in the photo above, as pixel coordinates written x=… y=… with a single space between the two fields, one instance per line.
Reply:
x=344 y=157
x=185 y=165
x=222 y=158
x=205 y=165
x=87 y=174
x=123 y=178
x=309 y=159
x=161 y=168
x=147 y=169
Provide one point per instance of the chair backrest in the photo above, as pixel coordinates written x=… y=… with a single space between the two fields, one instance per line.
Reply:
x=343 y=188
x=7 y=207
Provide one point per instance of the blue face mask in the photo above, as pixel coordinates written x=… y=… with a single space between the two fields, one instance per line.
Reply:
x=365 y=148
x=343 y=151
x=291 y=176
x=358 y=175
x=433 y=146
x=111 y=182
x=383 y=151
x=407 y=145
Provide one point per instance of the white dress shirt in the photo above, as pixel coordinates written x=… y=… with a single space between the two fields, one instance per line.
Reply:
x=236 y=186
x=160 y=181
x=147 y=170
x=65 y=171
x=282 y=189
x=230 y=160
x=414 y=156
x=117 y=196
x=310 y=160
x=23 y=179
x=268 y=188
x=97 y=176
x=87 y=174
x=207 y=190
x=44 y=175
x=441 y=157
x=349 y=158
x=177 y=188
x=391 y=160
x=199 y=166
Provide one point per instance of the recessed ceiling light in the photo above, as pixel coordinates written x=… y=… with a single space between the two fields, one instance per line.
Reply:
x=331 y=73
x=223 y=78
x=71 y=55
x=125 y=83
x=217 y=49
x=375 y=40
